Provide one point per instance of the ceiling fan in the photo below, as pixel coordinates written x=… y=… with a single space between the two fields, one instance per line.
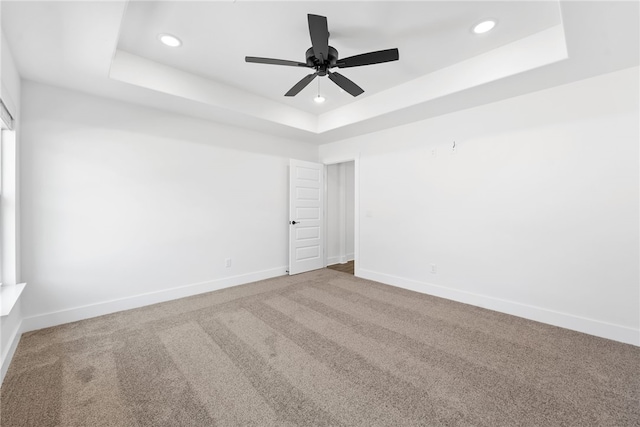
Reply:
x=323 y=57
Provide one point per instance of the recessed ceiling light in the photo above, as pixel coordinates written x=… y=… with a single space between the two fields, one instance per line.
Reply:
x=169 y=40
x=484 y=26
x=319 y=99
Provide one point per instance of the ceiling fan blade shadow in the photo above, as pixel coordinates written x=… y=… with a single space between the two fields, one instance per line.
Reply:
x=319 y=32
x=272 y=61
x=301 y=84
x=377 y=57
x=346 y=84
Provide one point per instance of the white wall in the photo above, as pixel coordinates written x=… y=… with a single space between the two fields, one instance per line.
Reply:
x=10 y=89
x=536 y=214
x=10 y=331
x=121 y=201
x=340 y=212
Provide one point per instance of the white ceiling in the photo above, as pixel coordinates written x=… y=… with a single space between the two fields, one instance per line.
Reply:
x=110 y=48
x=218 y=35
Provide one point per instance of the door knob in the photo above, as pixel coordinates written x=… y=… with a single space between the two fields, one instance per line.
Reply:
x=294 y=222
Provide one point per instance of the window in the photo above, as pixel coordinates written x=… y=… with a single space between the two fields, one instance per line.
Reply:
x=10 y=290
x=6 y=124
x=3 y=128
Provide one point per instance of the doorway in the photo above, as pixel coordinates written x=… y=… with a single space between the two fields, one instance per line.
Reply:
x=340 y=216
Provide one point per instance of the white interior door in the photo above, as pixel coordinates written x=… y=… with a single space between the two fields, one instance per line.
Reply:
x=306 y=216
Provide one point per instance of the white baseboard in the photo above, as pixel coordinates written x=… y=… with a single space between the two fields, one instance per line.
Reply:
x=564 y=320
x=85 y=312
x=340 y=259
x=8 y=356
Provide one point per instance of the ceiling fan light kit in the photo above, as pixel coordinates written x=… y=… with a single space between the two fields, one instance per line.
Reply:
x=322 y=57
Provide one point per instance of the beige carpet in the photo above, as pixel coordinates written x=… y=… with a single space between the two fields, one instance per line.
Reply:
x=322 y=348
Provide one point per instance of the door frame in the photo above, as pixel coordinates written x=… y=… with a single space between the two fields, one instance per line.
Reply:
x=356 y=206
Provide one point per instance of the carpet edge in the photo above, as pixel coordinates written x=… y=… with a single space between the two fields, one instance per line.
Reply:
x=74 y=314
x=594 y=327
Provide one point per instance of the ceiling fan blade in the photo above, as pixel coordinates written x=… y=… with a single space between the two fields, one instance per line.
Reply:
x=345 y=84
x=319 y=32
x=301 y=84
x=274 y=61
x=370 y=58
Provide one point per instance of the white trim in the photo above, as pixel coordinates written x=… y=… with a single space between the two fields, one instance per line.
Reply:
x=342 y=209
x=333 y=260
x=356 y=208
x=325 y=222
x=564 y=320
x=93 y=310
x=356 y=214
x=8 y=101
x=340 y=260
x=9 y=208
x=9 y=296
x=8 y=356
x=6 y=117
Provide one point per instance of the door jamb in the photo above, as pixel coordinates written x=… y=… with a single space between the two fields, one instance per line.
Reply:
x=356 y=207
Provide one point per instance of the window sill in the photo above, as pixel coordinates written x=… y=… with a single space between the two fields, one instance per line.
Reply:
x=9 y=296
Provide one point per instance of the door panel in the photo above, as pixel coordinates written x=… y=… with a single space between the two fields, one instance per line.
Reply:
x=306 y=209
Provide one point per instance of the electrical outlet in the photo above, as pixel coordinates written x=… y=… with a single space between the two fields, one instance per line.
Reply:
x=227 y=262
x=434 y=270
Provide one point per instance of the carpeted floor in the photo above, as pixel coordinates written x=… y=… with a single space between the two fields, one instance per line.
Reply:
x=321 y=348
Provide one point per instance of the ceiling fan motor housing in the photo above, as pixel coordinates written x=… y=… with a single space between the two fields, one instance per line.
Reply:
x=322 y=67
